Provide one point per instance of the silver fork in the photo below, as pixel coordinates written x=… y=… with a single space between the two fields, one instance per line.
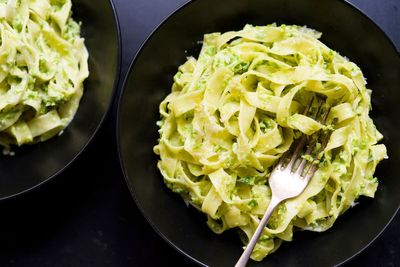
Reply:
x=286 y=181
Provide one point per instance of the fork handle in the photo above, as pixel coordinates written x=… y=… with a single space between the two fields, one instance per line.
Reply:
x=250 y=246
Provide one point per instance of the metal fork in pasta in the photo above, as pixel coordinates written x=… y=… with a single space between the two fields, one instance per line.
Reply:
x=289 y=178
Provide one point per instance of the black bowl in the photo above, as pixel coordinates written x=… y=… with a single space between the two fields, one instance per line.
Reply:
x=344 y=29
x=33 y=165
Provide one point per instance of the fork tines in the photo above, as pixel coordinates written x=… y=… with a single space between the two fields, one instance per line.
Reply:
x=300 y=162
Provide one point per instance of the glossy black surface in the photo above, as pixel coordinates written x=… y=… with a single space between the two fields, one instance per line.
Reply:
x=149 y=81
x=86 y=217
x=35 y=164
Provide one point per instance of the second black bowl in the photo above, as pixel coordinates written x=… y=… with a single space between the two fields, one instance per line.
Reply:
x=344 y=29
x=35 y=164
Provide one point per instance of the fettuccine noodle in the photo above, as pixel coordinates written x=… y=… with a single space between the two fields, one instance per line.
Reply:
x=235 y=110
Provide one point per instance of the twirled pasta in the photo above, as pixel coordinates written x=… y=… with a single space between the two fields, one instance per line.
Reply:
x=236 y=109
x=43 y=65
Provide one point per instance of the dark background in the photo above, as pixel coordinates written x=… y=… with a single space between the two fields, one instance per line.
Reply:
x=86 y=216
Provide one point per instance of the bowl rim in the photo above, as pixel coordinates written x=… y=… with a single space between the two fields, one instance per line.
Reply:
x=118 y=129
x=117 y=78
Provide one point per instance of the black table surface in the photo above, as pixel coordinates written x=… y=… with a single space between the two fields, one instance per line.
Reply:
x=87 y=217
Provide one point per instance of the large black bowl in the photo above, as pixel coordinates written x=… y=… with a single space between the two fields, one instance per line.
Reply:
x=33 y=165
x=346 y=30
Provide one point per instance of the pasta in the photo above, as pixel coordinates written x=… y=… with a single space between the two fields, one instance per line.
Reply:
x=43 y=65
x=235 y=110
